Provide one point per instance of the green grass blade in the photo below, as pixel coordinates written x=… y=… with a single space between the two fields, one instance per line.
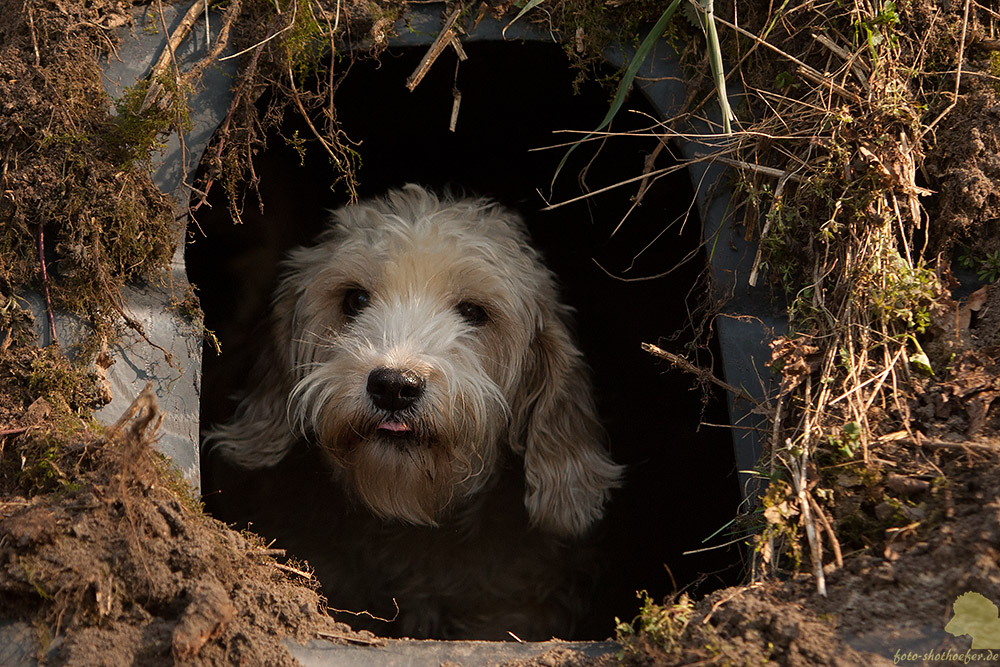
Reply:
x=623 y=87
x=715 y=61
x=524 y=10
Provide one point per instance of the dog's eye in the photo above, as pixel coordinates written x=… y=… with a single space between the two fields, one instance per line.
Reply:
x=473 y=313
x=355 y=300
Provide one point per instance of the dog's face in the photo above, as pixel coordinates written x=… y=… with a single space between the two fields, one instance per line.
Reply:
x=422 y=338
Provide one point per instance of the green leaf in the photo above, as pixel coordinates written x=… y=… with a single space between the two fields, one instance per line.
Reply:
x=531 y=4
x=920 y=358
x=623 y=87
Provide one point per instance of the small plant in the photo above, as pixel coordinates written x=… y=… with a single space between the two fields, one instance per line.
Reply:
x=878 y=29
x=989 y=267
x=905 y=293
x=779 y=538
x=784 y=79
x=662 y=625
x=846 y=442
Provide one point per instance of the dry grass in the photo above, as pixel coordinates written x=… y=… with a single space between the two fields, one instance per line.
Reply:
x=845 y=101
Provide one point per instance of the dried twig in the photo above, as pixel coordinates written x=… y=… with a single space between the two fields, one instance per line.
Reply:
x=759 y=168
x=292 y=570
x=221 y=42
x=444 y=38
x=272 y=553
x=305 y=115
x=958 y=75
x=850 y=59
x=176 y=37
x=703 y=374
x=838 y=555
x=34 y=36
x=144 y=405
x=353 y=639
x=934 y=443
x=45 y=285
x=823 y=80
x=271 y=35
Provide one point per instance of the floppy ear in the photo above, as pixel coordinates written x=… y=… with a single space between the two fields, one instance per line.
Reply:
x=259 y=434
x=568 y=473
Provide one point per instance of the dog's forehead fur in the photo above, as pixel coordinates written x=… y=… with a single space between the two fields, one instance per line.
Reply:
x=412 y=242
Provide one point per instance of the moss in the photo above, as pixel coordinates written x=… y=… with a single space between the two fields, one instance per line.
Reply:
x=80 y=216
x=777 y=538
x=53 y=376
x=144 y=115
x=662 y=625
x=307 y=43
x=994 y=68
x=30 y=570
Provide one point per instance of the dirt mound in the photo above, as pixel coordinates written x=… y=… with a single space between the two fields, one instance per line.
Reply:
x=117 y=565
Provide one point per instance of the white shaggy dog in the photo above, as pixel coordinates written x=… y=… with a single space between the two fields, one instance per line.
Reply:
x=420 y=346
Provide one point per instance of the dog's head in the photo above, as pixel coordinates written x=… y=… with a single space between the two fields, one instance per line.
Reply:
x=419 y=338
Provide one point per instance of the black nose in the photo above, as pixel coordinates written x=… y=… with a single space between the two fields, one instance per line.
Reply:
x=392 y=389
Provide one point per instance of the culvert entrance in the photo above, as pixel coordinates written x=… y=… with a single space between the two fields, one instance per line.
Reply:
x=681 y=484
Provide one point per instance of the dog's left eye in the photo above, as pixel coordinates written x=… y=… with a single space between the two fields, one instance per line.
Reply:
x=355 y=300
x=473 y=313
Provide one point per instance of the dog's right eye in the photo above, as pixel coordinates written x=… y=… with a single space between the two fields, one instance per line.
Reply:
x=355 y=300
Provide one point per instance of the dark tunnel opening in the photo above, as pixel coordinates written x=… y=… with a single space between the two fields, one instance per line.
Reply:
x=681 y=484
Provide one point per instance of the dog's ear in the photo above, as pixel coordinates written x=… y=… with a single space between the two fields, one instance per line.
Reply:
x=568 y=473
x=259 y=434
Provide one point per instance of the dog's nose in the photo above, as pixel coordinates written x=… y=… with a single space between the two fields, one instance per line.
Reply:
x=393 y=389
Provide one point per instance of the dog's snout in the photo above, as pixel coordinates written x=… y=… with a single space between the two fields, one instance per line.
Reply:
x=393 y=389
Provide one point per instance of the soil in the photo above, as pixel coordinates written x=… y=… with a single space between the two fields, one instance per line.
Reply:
x=118 y=566
x=107 y=558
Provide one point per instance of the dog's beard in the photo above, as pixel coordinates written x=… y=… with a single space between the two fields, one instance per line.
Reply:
x=410 y=465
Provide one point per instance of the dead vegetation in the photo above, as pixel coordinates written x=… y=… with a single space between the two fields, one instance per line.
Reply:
x=852 y=236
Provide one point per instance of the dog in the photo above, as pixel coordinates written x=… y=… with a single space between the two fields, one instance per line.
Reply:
x=422 y=429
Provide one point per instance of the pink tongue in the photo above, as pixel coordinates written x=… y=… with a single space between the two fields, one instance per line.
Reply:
x=395 y=427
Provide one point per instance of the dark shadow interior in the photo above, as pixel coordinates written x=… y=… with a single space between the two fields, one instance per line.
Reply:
x=681 y=483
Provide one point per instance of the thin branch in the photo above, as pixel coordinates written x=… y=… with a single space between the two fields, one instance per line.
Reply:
x=267 y=39
x=168 y=54
x=292 y=570
x=838 y=555
x=958 y=74
x=305 y=116
x=34 y=36
x=444 y=38
x=702 y=373
x=45 y=285
x=758 y=168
